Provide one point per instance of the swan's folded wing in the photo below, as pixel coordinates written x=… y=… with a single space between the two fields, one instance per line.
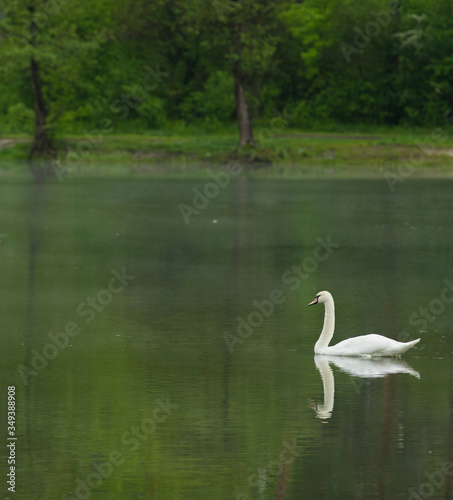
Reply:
x=370 y=345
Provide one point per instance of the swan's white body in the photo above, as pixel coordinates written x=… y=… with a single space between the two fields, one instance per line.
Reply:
x=364 y=345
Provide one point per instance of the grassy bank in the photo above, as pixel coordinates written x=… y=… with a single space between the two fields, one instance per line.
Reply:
x=290 y=153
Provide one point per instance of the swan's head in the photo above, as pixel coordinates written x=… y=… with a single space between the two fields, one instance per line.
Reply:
x=321 y=297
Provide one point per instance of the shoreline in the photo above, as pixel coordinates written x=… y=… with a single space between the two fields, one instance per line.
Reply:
x=295 y=154
x=20 y=170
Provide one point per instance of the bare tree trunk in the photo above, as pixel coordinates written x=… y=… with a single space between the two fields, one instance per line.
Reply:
x=242 y=111
x=42 y=143
x=41 y=140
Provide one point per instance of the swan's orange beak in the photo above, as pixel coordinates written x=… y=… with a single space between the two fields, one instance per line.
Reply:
x=313 y=302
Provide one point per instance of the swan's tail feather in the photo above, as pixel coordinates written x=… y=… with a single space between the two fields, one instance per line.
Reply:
x=410 y=344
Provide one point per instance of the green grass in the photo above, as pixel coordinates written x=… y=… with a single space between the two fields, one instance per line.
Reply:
x=291 y=152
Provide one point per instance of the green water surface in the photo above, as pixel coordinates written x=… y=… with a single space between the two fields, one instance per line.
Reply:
x=158 y=359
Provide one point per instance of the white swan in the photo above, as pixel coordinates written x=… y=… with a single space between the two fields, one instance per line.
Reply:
x=364 y=345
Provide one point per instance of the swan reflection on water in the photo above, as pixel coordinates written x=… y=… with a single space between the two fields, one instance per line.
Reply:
x=357 y=367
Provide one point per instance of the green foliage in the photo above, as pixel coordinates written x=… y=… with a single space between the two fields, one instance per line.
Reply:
x=152 y=109
x=214 y=104
x=329 y=61
x=19 y=117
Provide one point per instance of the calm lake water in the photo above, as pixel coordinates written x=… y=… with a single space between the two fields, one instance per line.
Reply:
x=155 y=359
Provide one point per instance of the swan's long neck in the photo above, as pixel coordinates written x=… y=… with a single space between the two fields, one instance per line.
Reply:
x=329 y=325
